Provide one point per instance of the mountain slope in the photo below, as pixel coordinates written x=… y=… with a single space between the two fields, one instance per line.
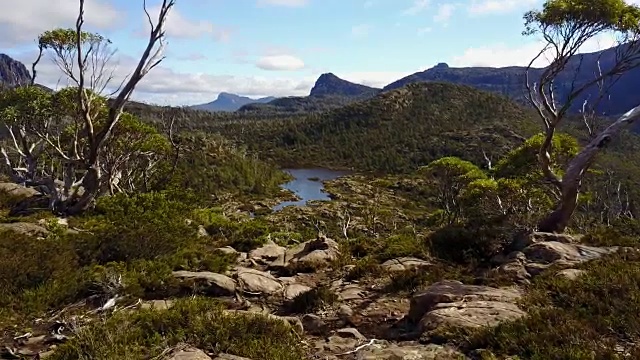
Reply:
x=395 y=131
x=328 y=92
x=510 y=81
x=12 y=72
x=330 y=85
x=230 y=102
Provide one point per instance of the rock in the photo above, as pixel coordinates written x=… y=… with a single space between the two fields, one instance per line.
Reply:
x=351 y=292
x=350 y=333
x=318 y=252
x=551 y=251
x=570 y=274
x=18 y=191
x=267 y=253
x=258 y=282
x=344 y=311
x=293 y=290
x=24 y=228
x=212 y=283
x=468 y=314
x=515 y=269
x=313 y=324
x=453 y=291
x=529 y=239
x=189 y=354
x=227 y=250
x=157 y=304
x=404 y=263
x=229 y=357
x=202 y=232
x=409 y=352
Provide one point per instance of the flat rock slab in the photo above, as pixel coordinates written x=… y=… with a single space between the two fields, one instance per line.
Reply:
x=258 y=282
x=453 y=291
x=210 y=283
x=472 y=314
x=551 y=251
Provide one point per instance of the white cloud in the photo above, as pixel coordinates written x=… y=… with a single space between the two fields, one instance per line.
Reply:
x=417 y=7
x=288 y=3
x=500 y=55
x=444 y=13
x=484 y=7
x=361 y=30
x=23 y=20
x=280 y=62
x=180 y=27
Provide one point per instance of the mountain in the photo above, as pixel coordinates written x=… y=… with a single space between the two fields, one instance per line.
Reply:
x=394 y=131
x=330 y=85
x=328 y=92
x=510 y=81
x=12 y=72
x=230 y=102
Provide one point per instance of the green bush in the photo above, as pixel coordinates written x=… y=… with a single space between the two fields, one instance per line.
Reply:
x=586 y=318
x=145 y=334
x=312 y=300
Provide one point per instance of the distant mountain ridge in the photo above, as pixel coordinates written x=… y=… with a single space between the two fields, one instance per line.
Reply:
x=12 y=72
x=230 y=102
x=328 y=92
x=329 y=84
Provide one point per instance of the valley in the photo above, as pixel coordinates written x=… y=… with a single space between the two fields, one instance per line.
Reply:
x=442 y=216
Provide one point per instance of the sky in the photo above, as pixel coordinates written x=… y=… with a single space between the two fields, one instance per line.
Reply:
x=279 y=47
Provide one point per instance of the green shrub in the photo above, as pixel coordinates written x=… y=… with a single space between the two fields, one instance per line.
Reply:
x=312 y=300
x=585 y=318
x=145 y=334
x=624 y=232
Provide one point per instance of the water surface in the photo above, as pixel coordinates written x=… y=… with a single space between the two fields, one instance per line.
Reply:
x=307 y=185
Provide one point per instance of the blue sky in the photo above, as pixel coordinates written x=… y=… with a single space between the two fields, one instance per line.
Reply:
x=279 y=47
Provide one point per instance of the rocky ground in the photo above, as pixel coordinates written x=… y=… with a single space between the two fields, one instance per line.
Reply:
x=310 y=286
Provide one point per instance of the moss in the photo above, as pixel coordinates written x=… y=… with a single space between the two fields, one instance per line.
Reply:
x=199 y=322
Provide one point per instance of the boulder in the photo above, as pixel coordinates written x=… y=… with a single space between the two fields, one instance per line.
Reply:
x=551 y=251
x=258 y=282
x=404 y=263
x=24 y=228
x=18 y=191
x=468 y=314
x=267 y=253
x=529 y=239
x=293 y=290
x=318 y=252
x=570 y=274
x=208 y=282
x=449 y=291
